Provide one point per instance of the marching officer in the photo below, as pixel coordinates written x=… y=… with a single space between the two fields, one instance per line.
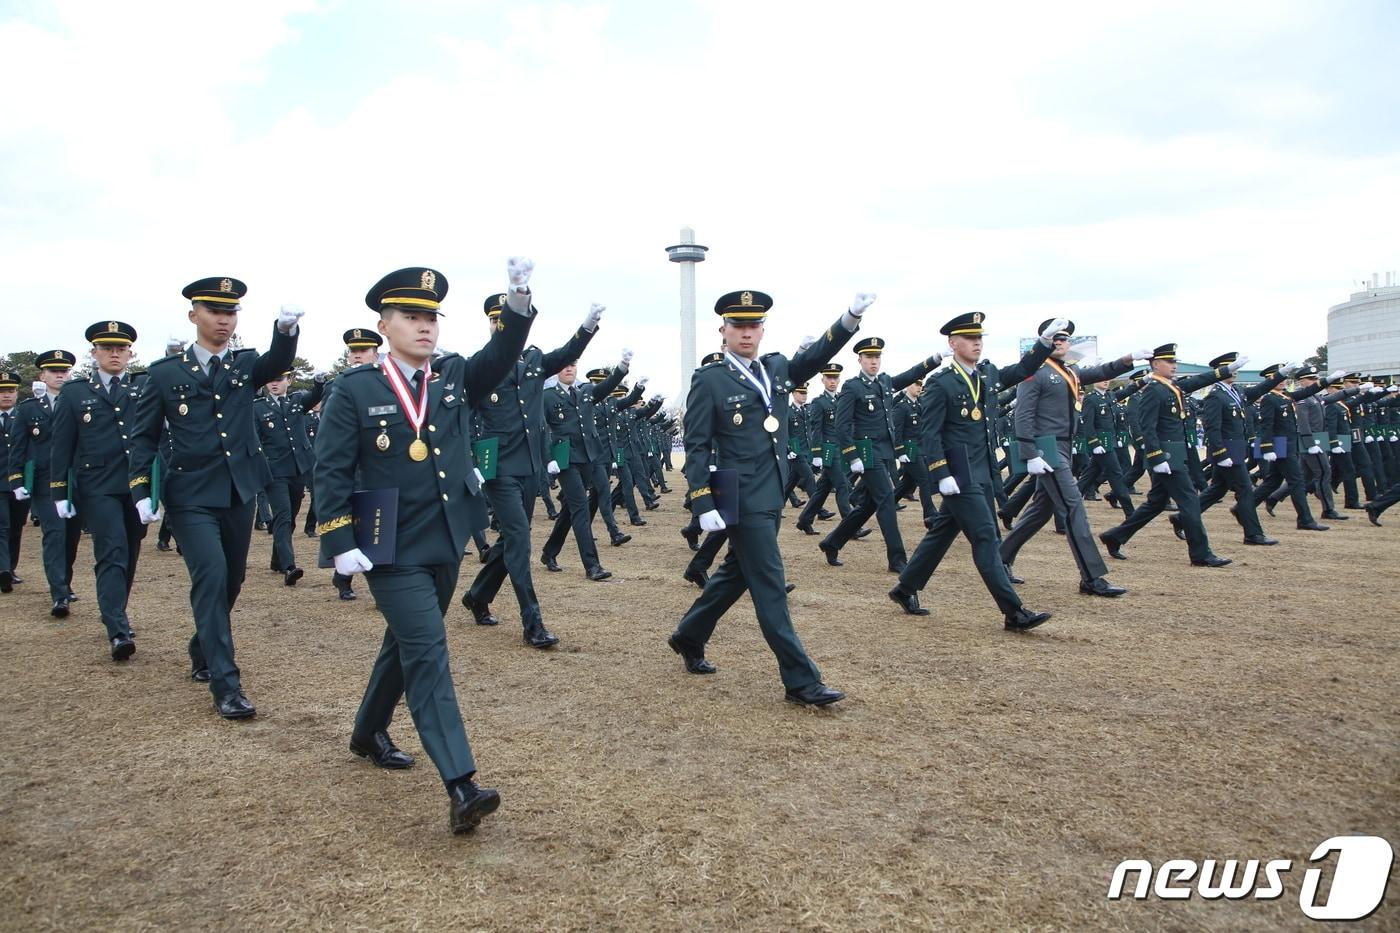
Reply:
x=90 y=440
x=821 y=423
x=286 y=444
x=958 y=438
x=14 y=512
x=736 y=418
x=1225 y=415
x=31 y=476
x=405 y=424
x=863 y=416
x=1312 y=450
x=1106 y=424
x=513 y=414
x=1278 y=419
x=583 y=478
x=204 y=398
x=799 y=443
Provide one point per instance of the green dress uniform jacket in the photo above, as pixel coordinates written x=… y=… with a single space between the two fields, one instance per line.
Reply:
x=284 y=430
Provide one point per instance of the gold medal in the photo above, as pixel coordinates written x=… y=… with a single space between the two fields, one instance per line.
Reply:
x=770 y=424
x=87 y=416
x=382 y=442
x=1078 y=405
x=418 y=451
x=184 y=409
x=738 y=418
x=976 y=414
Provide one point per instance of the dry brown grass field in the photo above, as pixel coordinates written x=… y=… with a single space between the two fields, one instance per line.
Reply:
x=974 y=779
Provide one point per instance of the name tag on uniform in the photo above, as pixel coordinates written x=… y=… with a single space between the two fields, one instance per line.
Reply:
x=383 y=410
x=736 y=398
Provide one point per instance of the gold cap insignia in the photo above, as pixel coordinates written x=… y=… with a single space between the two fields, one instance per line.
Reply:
x=358 y=335
x=226 y=286
x=111 y=327
x=746 y=299
x=977 y=317
x=428 y=280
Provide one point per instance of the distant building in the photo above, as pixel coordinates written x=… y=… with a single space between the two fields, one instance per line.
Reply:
x=1363 y=334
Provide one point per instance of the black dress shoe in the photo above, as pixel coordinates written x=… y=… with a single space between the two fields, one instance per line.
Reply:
x=908 y=602
x=824 y=515
x=1112 y=500
x=789 y=587
x=861 y=533
x=15 y=577
x=1269 y=506
x=381 y=751
x=235 y=706
x=898 y=566
x=72 y=597
x=1011 y=575
x=346 y=594
x=260 y=525
x=1091 y=498
x=122 y=648
x=1214 y=560
x=1023 y=620
x=1373 y=516
x=1114 y=548
x=694 y=659
x=537 y=636
x=292 y=575
x=598 y=574
x=806 y=529
x=550 y=564
x=1005 y=519
x=1100 y=587
x=691 y=534
x=467 y=804
x=481 y=612
x=60 y=609
x=1336 y=517
x=1177 y=528
x=637 y=522
x=618 y=540
x=698 y=577
x=310 y=532
x=6 y=582
x=900 y=507
x=665 y=488
x=1312 y=526
x=200 y=675
x=653 y=505
x=831 y=553
x=1260 y=540
x=817 y=694
x=162 y=546
x=552 y=514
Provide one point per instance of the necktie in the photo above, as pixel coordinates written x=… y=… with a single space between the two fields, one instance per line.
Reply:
x=114 y=384
x=753 y=368
x=215 y=364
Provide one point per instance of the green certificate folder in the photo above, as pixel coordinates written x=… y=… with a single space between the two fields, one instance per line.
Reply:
x=486 y=452
x=559 y=453
x=155 y=482
x=865 y=450
x=829 y=454
x=620 y=455
x=1343 y=441
x=911 y=450
x=795 y=445
x=1045 y=447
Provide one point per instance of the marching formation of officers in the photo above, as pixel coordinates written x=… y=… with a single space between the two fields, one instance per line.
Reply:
x=211 y=441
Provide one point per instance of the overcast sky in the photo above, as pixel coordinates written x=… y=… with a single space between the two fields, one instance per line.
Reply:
x=1212 y=173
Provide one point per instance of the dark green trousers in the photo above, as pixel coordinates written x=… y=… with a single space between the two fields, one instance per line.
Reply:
x=412 y=662
x=215 y=545
x=513 y=501
x=969 y=512
x=59 y=546
x=1177 y=487
x=753 y=565
x=874 y=497
x=574 y=515
x=117 y=533
x=1235 y=478
x=284 y=497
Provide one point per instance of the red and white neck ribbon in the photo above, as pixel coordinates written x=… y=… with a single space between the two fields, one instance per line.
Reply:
x=416 y=414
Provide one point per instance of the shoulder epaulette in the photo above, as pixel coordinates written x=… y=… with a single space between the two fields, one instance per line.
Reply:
x=165 y=361
x=242 y=351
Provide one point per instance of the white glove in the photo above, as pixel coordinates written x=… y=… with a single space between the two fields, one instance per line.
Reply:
x=552 y=468
x=1142 y=354
x=320 y=378
x=712 y=467
x=519 y=269
x=1394 y=438
x=1338 y=450
x=1288 y=369
x=642 y=382
x=287 y=318
x=1314 y=449
x=1270 y=457
x=817 y=462
x=1336 y=374
x=1376 y=390
x=902 y=458
x=595 y=314
x=352 y=562
x=173 y=345
x=626 y=357
x=791 y=455
x=1036 y=466
x=711 y=521
x=65 y=508
x=948 y=486
x=21 y=493
x=146 y=512
x=806 y=342
x=481 y=479
x=1367 y=387
x=1053 y=328
x=1164 y=468
x=1099 y=450
x=1370 y=439
x=857 y=466
x=860 y=302
x=1226 y=463
x=1392 y=388
x=1238 y=364
x=38 y=388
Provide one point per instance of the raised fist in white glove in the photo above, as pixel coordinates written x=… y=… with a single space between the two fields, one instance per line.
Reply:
x=1036 y=466
x=806 y=342
x=1238 y=364
x=146 y=511
x=21 y=493
x=860 y=302
x=948 y=486
x=902 y=458
x=1142 y=354
x=817 y=463
x=38 y=388
x=642 y=382
x=1164 y=468
x=1288 y=369
x=1270 y=457
x=481 y=479
x=1367 y=387
x=626 y=357
x=173 y=345
x=321 y=378
x=711 y=521
x=1392 y=388
x=64 y=508
x=1227 y=462
x=857 y=466
x=352 y=562
x=1336 y=374
x=1315 y=449
x=595 y=314
x=287 y=318
x=519 y=270
x=1053 y=328
x=552 y=468
x=1099 y=449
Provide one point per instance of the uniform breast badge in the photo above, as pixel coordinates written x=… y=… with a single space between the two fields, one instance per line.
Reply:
x=382 y=442
x=738 y=418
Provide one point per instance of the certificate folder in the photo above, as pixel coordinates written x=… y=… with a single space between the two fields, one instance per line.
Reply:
x=376 y=517
x=959 y=467
x=486 y=452
x=724 y=488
